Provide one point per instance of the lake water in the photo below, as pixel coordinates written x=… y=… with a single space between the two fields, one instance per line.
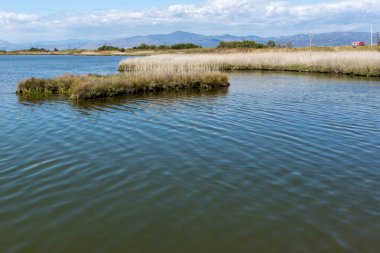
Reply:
x=275 y=163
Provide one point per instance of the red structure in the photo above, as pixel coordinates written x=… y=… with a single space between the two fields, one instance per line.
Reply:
x=358 y=44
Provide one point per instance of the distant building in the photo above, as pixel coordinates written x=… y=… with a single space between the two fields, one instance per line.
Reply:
x=358 y=44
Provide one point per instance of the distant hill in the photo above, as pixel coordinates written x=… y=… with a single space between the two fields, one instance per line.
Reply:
x=175 y=38
x=5 y=45
x=61 y=45
x=299 y=40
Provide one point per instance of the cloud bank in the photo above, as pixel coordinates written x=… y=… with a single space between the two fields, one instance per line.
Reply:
x=259 y=17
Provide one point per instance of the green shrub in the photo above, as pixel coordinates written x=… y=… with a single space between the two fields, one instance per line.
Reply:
x=34 y=49
x=241 y=44
x=184 y=46
x=144 y=46
x=271 y=43
x=108 y=48
x=163 y=47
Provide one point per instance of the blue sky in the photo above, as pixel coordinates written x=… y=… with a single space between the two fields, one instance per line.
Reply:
x=48 y=6
x=26 y=20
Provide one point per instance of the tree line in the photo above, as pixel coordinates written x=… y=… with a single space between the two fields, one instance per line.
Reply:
x=246 y=44
x=222 y=45
x=144 y=46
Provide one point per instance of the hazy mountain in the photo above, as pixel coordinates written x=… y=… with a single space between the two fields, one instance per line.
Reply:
x=5 y=45
x=177 y=37
x=299 y=40
x=61 y=45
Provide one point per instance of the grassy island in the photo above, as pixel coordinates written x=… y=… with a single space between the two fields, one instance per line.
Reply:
x=96 y=86
x=360 y=63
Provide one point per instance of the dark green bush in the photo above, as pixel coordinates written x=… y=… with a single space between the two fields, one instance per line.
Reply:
x=184 y=46
x=144 y=46
x=241 y=44
x=34 y=49
x=271 y=43
x=163 y=47
x=108 y=48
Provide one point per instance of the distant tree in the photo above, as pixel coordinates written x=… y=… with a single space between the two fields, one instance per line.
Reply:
x=271 y=43
x=108 y=48
x=144 y=46
x=163 y=47
x=34 y=49
x=184 y=46
x=56 y=50
x=241 y=44
x=3 y=51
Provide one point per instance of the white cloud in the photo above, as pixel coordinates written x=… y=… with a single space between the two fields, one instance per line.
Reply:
x=264 y=17
x=12 y=18
x=319 y=10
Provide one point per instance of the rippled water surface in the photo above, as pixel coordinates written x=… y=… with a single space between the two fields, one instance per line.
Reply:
x=276 y=163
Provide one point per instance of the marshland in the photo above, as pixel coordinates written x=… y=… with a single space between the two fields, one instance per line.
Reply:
x=275 y=151
x=361 y=63
x=200 y=71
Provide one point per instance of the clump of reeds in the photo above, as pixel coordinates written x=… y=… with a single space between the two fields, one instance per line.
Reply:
x=362 y=63
x=95 y=86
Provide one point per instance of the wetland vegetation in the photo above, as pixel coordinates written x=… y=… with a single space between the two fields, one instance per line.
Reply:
x=361 y=63
x=200 y=71
x=96 y=86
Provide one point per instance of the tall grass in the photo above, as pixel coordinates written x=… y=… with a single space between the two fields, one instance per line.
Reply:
x=362 y=63
x=95 y=86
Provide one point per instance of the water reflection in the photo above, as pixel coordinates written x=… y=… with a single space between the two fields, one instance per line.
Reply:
x=310 y=76
x=40 y=99
x=127 y=101
x=163 y=97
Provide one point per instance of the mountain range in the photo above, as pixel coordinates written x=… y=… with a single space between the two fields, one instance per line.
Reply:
x=299 y=40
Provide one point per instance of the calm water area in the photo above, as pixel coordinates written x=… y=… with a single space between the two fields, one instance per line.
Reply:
x=277 y=162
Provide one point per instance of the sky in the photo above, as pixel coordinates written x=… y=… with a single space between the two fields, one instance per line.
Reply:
x=41 y=20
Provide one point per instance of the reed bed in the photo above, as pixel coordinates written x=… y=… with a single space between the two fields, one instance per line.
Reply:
x=96 y=86
x=361 y=63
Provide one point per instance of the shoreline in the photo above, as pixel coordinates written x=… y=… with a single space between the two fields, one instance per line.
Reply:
x=150 y=52
x=87 y=53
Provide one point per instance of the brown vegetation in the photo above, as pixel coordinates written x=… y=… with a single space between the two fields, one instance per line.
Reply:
x=362 y=63
x=95 y=86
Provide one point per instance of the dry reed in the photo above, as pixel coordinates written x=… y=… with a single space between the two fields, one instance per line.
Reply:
x=362 y=63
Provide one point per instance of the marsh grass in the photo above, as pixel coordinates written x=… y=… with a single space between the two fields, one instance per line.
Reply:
x=96 y=86
x=361 y=63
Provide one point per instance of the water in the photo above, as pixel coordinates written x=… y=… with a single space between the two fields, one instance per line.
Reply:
x=276 y=163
